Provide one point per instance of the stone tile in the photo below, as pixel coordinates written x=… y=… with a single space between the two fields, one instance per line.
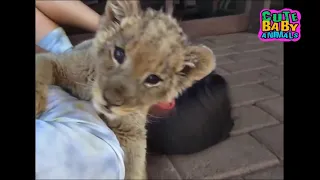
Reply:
x=237 y=178
x=275 y=84
x=273 y=106
x=249 y=94
x=253 y=39
x=202 y=41
x=223 y=38
x=275 y=70
x=223 y=60
x=275 y=173
x=272 y=137
x=234 y=38
x=253 y=55
x=238 y=38
x=219 y=44
x=213 y=44
x=198 y=40
x=274 y=55
x=270 y=55
x=249 y=118
x=224 y=52
x=221 y=71
x=248 y=77
x=247 y=47
x=276 y=43
x=231 y=158
x=160 y=167
x=249 y=35
x=248 y=65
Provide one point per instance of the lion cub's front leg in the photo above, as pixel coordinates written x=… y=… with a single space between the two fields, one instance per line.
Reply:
x=131 y=134
x=41 y=97
x=44 y=77
x=135 y=159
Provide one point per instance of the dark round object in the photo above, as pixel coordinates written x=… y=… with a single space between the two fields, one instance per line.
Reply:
x=201 y=118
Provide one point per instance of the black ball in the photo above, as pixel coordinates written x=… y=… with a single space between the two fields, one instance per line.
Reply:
x=201 y=118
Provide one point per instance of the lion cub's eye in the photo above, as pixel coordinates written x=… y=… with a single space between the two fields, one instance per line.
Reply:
x=152 y=80
x=119 y=54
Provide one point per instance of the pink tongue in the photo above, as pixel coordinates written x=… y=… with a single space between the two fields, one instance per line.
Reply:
x=166 y=105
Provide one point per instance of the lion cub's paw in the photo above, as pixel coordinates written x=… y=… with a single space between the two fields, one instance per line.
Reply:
x=41 y=97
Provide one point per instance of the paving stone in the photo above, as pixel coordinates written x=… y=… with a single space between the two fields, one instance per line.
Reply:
x=224 y=52
x=269 y=174
x=232 y=158
x=202 y=41
x=253 y=55
x=236 y=178
x=221 y=71
x=275 y=84
x=160 y=167
x=235 y=38
x=248 y=65
x=223 y=59
x=249 y=118
x=197 y=40
x=275 y=70
x=278 y=45
x=274 y=56
x=230 y=38
x=273 y=106
x=242 y=38
x=247 y=47
x=270 y=55
x=249 y=94
x=248 y=77
x=214 y=44
x=272 y=137
x=219 y=44
x=250 y=40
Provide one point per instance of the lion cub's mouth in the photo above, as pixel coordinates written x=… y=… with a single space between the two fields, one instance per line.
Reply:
x=105 y=110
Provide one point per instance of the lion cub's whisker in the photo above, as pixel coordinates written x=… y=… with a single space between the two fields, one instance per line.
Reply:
x=82 y=84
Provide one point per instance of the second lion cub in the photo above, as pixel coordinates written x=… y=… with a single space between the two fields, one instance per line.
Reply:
x=137 y=59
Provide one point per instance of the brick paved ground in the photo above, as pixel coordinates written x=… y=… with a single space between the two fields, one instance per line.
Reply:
x=255 y=149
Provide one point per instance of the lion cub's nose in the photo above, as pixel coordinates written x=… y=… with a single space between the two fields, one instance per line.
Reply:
x=113 y=98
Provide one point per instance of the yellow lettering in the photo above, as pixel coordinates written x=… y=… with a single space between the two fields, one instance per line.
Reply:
x=266 y=26
x=275 y=26
x=285 y=26
x=293 y=26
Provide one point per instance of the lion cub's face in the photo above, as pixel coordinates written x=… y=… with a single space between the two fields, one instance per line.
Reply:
x=143 y=58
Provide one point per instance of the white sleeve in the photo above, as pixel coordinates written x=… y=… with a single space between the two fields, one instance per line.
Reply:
x=72 y=142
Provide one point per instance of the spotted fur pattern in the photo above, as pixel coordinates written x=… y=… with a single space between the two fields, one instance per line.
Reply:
x=154 y=44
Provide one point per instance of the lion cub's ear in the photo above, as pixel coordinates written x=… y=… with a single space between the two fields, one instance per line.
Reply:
x=199 y=62
x=116 y=10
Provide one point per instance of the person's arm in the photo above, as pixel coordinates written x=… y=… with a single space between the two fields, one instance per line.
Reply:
x=74 y=13
x=49 y=36
x=43 y=25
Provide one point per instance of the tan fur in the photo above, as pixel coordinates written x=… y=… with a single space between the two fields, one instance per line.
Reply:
x=154 y=44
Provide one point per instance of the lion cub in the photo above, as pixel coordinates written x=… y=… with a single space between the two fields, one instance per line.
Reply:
x=136 y=59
